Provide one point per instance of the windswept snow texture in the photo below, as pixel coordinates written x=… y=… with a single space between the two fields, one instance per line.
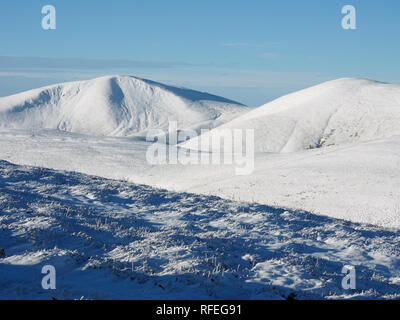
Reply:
x=115 y=106
x=333 y=113
x=358 y=182
x=111 y=239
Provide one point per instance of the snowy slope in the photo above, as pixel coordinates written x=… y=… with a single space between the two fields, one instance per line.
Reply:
x=115 y=106
x=357 y=182
x=348 y=178
x=111 y=239
x=332 y=113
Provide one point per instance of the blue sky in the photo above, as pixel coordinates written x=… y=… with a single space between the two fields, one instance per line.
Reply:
x=251 y=51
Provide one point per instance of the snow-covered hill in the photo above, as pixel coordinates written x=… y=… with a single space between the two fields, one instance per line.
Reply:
x=336 y=112
x=111 y=239
x=115 y=106
x=354 y=179
x=284 y=236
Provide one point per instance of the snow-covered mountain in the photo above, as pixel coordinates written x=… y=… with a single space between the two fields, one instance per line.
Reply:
x=364 y=176
x=336 y=112
x=273 y=233
x=115 y=106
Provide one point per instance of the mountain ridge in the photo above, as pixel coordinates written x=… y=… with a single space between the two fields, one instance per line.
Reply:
x=344 y=110
x=114 y=105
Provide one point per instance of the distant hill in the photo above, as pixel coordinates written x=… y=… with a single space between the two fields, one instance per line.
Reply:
x=336 y=112
x=114 y=106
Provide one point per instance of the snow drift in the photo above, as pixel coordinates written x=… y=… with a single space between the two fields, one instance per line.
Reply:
x=336 y=112
x=115 y=106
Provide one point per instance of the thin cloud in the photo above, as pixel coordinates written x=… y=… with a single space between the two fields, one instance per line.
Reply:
x=268 y=55
x=10 y=62
x=247 y=45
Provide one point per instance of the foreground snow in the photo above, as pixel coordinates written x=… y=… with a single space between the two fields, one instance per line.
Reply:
x=358 y=182
x=113 y=239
